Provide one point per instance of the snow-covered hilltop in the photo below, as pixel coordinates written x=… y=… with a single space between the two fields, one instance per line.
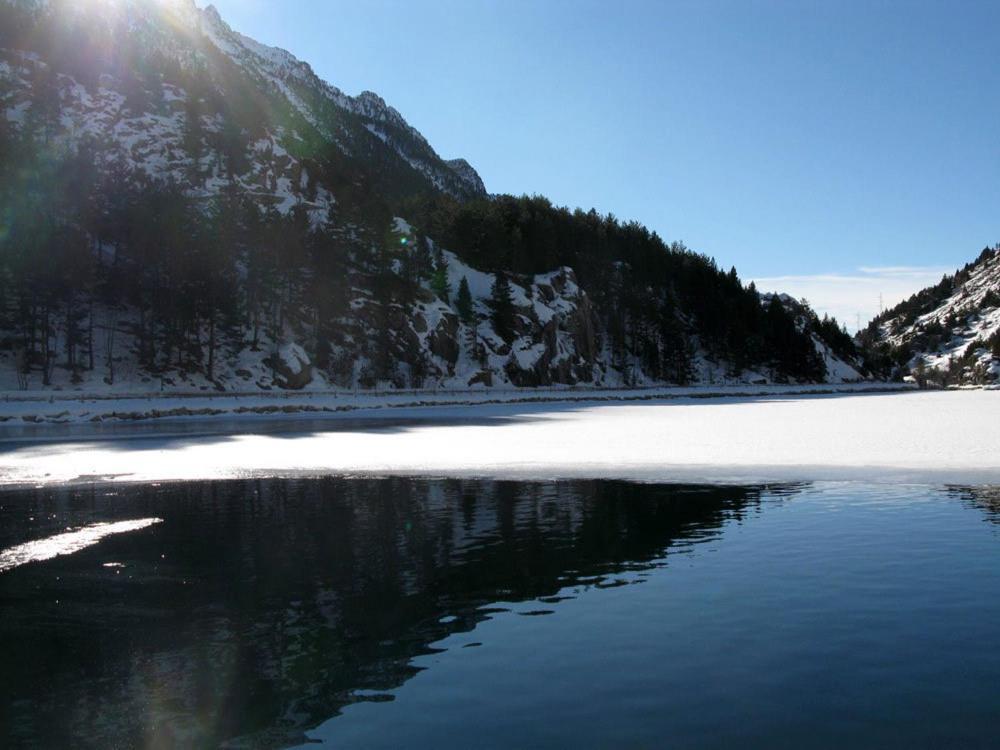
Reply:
x=842 y=360
x=947 y=333
x=189 y=210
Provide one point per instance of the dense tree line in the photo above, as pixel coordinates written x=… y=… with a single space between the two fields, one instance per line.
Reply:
x=652 y=295
x=187 y=278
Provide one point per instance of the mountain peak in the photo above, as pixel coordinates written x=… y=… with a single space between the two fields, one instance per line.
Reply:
x=371 y=96
x=467 y=174
x=212 y=13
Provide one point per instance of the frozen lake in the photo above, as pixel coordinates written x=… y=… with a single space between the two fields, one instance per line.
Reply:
x=931 y=437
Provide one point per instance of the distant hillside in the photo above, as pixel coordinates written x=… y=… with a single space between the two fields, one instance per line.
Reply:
x=950 y=332
x=185 y=208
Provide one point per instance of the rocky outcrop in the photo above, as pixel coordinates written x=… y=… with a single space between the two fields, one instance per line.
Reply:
x=291 y=367
x=443 y=340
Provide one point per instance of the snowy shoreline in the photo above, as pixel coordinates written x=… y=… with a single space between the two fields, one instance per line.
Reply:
x=50 y=409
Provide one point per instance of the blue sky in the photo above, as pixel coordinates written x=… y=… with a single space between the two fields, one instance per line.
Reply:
x=837 y=150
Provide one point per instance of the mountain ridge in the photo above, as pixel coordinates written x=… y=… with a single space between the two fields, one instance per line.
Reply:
x=948 y=333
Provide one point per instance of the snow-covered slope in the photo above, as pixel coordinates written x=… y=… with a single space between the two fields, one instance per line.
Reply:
x=841 y=358
x=155 y=142
x=951 y=330
x=291 y=118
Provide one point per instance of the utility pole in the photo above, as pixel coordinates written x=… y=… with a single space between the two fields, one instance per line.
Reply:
x=880 y=307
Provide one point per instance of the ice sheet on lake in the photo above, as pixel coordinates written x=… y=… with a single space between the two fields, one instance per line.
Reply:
x=939 y=437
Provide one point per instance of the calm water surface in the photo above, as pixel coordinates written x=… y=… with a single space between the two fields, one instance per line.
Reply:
x=364 y=613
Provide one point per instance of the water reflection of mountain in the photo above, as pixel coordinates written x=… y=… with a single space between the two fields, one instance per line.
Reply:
x=984 y=497
x=259 y=608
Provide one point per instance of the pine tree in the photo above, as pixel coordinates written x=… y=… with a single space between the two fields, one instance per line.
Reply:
x=193 y=130
x=502 y=304
x=422 y=259
x=439 y=281
x=463 y=303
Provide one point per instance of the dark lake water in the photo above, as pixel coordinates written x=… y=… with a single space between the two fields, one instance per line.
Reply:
x=387 y=613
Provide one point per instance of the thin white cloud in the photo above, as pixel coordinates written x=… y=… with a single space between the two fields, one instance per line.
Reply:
x=851 y=297
x=903 y=271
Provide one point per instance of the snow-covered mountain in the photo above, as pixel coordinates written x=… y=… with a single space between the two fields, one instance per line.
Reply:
x=292 y=122
x=949 y=332
x=190 y=209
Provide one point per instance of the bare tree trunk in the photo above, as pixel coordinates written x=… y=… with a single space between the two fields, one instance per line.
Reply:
x=22 y=366
x=46 y=369
x=143 y=360
x=90 y=338
x=70 y=337
x=211 y=346
x=109 y=352
x=32 y=337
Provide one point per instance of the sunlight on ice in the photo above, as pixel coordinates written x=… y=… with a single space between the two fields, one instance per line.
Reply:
x=942 y=436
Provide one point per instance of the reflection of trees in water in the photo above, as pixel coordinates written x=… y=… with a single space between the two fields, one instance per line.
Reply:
x=259 y=607
x=985 y=498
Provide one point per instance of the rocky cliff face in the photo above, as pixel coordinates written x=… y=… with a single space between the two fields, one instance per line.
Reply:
x=554 y=341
